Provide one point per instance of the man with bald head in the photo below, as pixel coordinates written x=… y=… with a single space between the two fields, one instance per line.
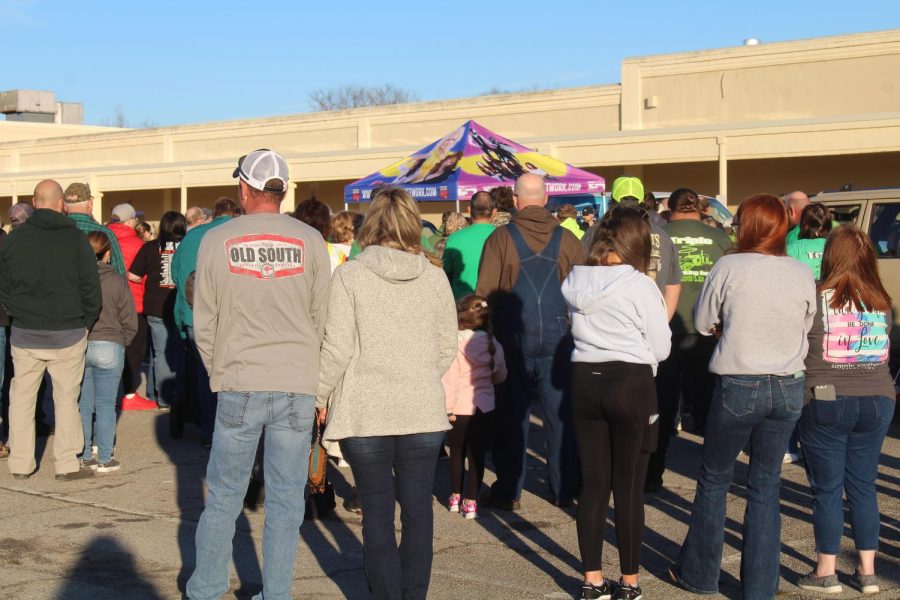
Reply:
x=522 y=267
x=795 y=203
x=195 y=216
x=50 y=287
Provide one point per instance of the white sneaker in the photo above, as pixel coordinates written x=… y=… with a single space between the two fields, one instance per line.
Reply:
x=791 y=458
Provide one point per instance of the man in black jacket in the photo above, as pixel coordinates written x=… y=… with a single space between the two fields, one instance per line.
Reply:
x=50 y=287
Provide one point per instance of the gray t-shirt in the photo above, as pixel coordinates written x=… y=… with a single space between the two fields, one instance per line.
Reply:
x=849 y=349
x=41 y=339
x=764 y=306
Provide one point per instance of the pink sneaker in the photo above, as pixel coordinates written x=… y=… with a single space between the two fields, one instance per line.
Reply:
x=469 y=509
x=453 y=503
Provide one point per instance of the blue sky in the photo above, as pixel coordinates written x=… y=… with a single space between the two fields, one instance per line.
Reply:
x=174 y=62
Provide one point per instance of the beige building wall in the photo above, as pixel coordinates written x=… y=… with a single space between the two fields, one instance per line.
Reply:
x=812 y=114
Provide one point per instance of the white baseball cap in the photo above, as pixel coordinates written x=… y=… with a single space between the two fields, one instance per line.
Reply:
x=264 y=170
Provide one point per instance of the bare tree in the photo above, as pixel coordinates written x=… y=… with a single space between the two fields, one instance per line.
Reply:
x=356 y=96
x=118 y=119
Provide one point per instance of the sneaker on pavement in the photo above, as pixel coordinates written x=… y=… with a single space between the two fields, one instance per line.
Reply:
x=828 y=584
x=109 y=466
x=791 y=458
x=4 y=450
x=592 y=591
x=867 y=584
x=82 y=473
x=627 y=592
x=88 y=463
x=137 y=402
x=453 y=503
x=469 y=509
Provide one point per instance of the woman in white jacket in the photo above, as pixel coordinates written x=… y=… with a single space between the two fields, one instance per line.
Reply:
x=621 y=331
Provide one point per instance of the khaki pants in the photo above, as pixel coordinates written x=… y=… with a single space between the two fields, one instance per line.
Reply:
x=66 y=368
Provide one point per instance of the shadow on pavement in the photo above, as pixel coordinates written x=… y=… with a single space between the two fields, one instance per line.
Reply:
x=190 y=459
x=106 y=570
x=334 y=545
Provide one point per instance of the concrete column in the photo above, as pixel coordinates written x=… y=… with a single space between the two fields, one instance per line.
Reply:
x=184 y=199
x=288 y=204
x=722 y=196
x=98 y=205
x=98 y=199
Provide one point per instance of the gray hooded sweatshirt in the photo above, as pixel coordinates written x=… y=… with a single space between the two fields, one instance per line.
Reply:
x=389 y=337
x=618 y=314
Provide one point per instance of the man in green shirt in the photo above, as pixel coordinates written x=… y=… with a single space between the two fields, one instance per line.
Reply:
x=686 y=371
x=462 y=254
x=795 y=203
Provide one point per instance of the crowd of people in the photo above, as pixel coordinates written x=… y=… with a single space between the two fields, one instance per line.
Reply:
x=770 y=340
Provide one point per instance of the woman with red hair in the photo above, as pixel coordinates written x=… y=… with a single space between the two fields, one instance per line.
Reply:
x=761 y=304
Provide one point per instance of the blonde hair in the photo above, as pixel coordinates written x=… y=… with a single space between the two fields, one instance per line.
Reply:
x=342 y=227
x=455 y=222
x=392 y=221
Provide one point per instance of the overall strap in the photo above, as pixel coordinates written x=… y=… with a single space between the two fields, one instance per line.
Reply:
x=521 y=247
x=551 y=250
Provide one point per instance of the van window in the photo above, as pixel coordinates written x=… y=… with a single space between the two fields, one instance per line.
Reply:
x=885 y=229
x=844 y=213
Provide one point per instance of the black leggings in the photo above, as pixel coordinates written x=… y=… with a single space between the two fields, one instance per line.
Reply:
x=613 y=405
x=469 y=439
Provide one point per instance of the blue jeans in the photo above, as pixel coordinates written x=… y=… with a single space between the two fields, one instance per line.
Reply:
x=205 y=397
x=761 y=409
x=168 y=361
x=241 y=417
x=841 y=442
x=103 y=364
x=550 y=376
x=388 y=469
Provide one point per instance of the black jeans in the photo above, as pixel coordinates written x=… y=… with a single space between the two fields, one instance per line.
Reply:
x=135 y=352
x=615 y=419
x=468 y=440
x=390 y=469
x=685 y=374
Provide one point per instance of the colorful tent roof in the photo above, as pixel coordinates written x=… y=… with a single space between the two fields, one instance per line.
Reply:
x=471 y=159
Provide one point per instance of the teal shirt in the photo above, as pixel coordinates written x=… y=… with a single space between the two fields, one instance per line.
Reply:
x=809 y=252
x=793 y=235
x=183 y=264
x=462 y=255
x=87 y=224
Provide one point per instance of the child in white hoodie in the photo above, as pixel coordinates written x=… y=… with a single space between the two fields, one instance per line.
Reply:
x=621 y=331
x=469 y=389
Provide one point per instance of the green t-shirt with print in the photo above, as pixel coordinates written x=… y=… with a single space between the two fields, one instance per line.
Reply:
x=699 y=246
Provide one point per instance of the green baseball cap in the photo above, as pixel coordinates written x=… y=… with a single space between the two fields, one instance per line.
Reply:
x=627 y=186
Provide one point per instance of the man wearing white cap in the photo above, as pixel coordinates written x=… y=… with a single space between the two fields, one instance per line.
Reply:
x=260 y=298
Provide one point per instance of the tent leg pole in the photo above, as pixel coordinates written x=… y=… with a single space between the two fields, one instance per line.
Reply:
x=457 y=205
x=346 y=206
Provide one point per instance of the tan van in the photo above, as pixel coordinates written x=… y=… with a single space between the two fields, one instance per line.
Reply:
x=877 y=212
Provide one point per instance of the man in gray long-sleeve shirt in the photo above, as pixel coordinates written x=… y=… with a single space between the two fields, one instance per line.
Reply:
x=260 y=296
